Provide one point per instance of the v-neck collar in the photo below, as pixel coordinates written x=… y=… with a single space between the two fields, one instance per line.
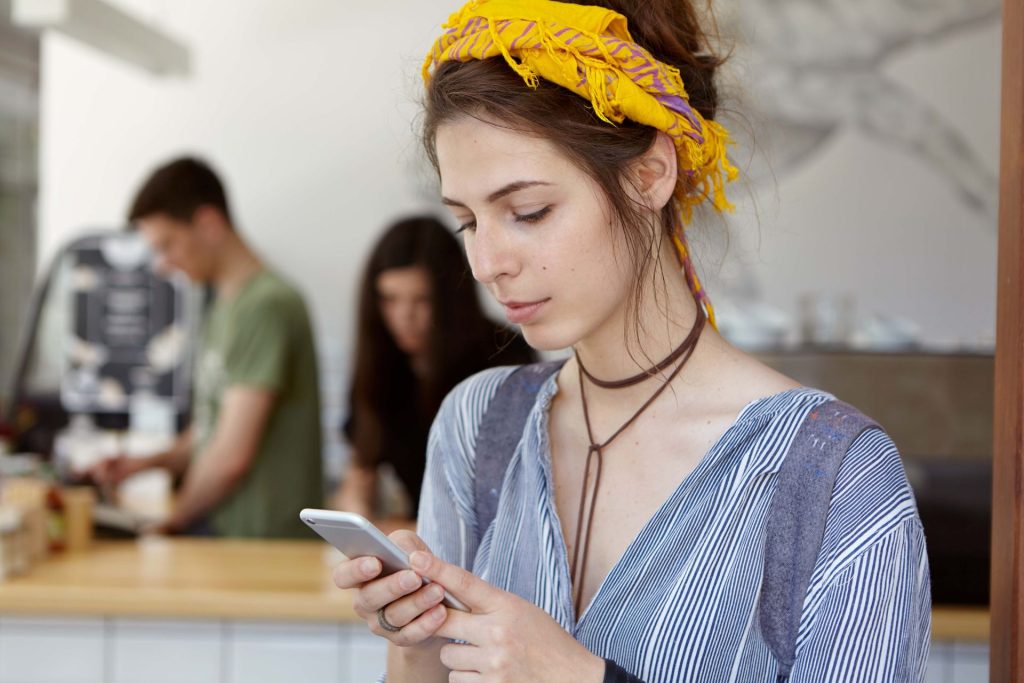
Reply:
x=759 y=407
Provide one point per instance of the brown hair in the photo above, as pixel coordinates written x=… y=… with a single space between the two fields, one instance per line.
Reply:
x=489 y=89
x=177 y=189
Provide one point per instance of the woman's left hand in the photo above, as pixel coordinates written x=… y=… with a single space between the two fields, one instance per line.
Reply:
x=510 y=640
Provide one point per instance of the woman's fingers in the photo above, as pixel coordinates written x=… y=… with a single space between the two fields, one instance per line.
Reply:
x=463 y=657
x=407 y=540
x=384 y=591
x=406 y=603
x=475 y=593
x=462 y=626
x=406 y=610
x=420 y=629
x=354 y=573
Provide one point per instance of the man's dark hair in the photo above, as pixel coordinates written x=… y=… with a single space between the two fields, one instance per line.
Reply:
x=177 y=189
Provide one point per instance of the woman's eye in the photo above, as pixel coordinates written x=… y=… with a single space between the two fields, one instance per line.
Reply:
x=469 y=225
x=532 y=217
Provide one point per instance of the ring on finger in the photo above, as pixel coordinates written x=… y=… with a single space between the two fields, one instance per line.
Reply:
x=385 y=624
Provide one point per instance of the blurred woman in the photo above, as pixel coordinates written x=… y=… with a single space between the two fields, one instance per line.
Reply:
x=420 y=331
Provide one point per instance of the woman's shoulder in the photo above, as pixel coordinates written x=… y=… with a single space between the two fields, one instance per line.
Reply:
x=466 y=404
x=871 y=499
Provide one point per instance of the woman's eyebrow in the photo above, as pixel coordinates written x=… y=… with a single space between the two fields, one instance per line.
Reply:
x=498 y=194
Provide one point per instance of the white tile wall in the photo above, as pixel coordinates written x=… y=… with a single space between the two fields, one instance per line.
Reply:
x=71 y=650
x=970 y=663
x=282 y=653
x=52 y=650
x=147 y=651
x=940 y=663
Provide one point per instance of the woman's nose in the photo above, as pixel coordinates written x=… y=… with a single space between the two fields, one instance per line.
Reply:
x=491 y=253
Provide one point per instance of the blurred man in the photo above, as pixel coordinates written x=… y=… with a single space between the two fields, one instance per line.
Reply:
x=251 y=459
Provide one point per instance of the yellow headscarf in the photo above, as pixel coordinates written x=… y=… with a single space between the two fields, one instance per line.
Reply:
x=589 y=51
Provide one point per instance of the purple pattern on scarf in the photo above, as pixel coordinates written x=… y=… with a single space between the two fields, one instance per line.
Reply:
x=529 y=27
x=681 y=107
x=619 y=48
x=469 y=48
x=635 y=51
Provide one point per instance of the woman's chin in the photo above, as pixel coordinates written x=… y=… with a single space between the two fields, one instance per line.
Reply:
x=543 y=337
x=410 y=347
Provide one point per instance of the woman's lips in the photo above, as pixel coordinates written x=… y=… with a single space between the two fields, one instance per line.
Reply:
x=521 y=312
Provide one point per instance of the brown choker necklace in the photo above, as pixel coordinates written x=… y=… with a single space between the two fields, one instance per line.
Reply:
x=586 y=511
x=671 y=358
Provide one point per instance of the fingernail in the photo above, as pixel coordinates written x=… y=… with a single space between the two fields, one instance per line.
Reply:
x=419 y=560
x=435 y=592
x=408 y=581
x=368 y=565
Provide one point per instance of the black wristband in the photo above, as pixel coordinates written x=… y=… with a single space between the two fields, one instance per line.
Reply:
x=613 y=673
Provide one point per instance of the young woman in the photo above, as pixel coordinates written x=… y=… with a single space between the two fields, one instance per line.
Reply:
x=634 y=521
x=420 y=332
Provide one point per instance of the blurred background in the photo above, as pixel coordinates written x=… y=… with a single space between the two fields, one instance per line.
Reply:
x=860 y=258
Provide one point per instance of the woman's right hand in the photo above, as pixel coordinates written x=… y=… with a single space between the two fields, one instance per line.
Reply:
x=414 y=607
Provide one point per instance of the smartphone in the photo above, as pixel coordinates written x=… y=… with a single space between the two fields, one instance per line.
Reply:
x=355 y=536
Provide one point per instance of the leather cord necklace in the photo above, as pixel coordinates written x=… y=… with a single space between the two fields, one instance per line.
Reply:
x=586 y=511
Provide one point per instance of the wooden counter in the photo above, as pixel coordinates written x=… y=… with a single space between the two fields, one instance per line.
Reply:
x=178 y=577
x=231 y=579
x=960 y=623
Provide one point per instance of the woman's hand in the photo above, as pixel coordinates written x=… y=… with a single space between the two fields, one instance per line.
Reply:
x=509 y=639
x=408 y=604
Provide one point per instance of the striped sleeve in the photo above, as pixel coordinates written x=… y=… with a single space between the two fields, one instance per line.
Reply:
x=867 y=615
x=874 y=620
x=445 y=520
x=446 y=515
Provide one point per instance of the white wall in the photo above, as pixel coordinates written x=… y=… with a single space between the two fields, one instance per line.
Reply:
x=308 y=107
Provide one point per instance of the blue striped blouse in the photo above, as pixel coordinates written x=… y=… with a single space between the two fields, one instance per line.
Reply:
x=681 y=603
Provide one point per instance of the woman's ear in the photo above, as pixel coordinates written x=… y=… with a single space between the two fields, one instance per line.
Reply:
x=655 y=172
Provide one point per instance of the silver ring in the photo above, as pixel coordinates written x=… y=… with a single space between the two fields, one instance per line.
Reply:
x=385 y=624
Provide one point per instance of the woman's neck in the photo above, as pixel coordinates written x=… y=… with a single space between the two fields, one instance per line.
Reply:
x=420 y=365
x=629 y=343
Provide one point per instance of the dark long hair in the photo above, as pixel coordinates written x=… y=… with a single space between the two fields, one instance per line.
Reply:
x=385 y=394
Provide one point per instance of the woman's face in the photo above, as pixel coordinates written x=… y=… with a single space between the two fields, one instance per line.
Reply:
x=537 y=233
x=403 y=295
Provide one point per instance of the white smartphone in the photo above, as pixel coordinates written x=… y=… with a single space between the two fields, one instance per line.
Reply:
x=355 y=536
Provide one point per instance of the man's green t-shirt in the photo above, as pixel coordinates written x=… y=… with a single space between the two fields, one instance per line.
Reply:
x=262 y=338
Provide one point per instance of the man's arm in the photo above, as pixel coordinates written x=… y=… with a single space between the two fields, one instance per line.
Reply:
x=218 y=468
x=110 y=472
x=177 y=457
